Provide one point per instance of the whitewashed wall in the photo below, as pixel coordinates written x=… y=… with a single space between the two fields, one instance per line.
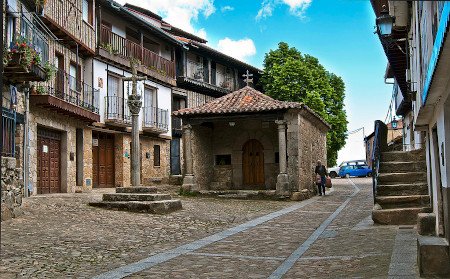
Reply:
x=164 y=92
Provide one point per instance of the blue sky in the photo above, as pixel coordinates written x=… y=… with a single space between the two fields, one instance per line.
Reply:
x=338 y=32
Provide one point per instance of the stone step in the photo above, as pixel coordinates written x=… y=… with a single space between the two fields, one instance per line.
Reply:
x=402 y=189
x=137 y=189
x=403 y=156
x=402 y=178
x=154 y=207
x=398 y=167
x=136 y=197
x=398 y=216
x=390 y=202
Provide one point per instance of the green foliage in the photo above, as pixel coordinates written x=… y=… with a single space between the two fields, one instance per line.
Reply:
x=41 y=90
x=50 y=70
x=292 y=76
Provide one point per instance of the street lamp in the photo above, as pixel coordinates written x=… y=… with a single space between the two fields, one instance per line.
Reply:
x=394 y=123
x=384 y=23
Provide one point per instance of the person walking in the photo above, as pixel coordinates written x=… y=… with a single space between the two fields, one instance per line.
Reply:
x=321 y=171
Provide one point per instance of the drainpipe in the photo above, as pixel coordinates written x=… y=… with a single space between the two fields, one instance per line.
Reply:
x=26 y=143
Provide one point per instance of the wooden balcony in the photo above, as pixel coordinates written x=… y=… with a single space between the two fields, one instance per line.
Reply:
x=117 y=112
x=155 y=120
x=120 y=50
x=198 y=78
x=68 y=96
x=64 y=19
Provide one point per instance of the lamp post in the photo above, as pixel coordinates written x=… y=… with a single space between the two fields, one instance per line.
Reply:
x=385 y=23
x=394 y=123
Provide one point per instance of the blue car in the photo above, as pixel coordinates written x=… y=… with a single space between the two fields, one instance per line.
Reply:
x=355 y=170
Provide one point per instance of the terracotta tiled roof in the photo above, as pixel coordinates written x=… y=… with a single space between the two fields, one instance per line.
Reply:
x=245 y=100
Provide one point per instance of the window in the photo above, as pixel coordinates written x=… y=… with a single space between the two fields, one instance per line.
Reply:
x=11 y=27
x=223 y=160
x=9 y=132
x=156 y=156
x=87 y=11
x=115 y=104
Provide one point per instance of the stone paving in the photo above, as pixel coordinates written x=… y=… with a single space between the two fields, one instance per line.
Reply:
x=211 y=238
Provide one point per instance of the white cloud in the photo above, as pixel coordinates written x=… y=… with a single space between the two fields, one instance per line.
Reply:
x=180 y=13
x=226 y=9
x=239 y=49
x=296 y=7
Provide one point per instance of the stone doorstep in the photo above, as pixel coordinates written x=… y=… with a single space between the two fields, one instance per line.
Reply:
x=397 y=216
x=399 y=167
x=402 y=189
x=433 y=256
x=405 y=156
x=155 y=207
x=135 y=197
x=387 y=202
x=398 y=178
x=137 y=189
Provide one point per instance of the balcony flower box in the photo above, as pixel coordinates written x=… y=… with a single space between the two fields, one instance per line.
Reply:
x=22 y=63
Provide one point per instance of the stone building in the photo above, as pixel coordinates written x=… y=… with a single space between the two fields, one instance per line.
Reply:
x=417 y=46
x=247 y=140
x=202 y=75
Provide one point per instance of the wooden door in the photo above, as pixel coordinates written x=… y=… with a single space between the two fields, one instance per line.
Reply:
x=253 y=164
x=103 y=160
x=49 y=162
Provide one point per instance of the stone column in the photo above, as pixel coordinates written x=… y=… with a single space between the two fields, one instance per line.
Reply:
x=189 y=179
x=135 y=103
x=282 y=178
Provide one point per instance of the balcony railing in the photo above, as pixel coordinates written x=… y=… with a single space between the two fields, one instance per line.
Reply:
x=32 y=34
x=225 y=80
x=195 y=70
x=118 y=45
x=156 y=119
x=66 y=16
x=117 y=110
x=71 y=90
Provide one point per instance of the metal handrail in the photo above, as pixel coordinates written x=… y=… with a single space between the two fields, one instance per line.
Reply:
x=9 y=132
x=379 y=145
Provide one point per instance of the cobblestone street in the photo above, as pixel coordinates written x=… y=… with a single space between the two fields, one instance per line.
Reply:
x=324 y=237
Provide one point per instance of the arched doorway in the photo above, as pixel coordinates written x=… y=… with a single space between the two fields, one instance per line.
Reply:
x=253 y=164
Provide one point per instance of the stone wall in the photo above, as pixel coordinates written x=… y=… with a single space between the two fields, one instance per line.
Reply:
x=12 y=188
x=67 y=126
x=293 y=148
x=87 y=160
x=202 y=147
x=313 y=147
x=152 y=174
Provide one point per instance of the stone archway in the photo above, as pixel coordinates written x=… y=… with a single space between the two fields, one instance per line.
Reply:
x=253 y=164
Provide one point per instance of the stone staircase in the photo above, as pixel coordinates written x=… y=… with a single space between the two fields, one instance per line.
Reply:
x=402 y=190
x=139 y=199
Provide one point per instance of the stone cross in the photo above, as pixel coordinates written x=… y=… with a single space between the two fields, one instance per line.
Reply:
x=134 y=104
x=248 y=77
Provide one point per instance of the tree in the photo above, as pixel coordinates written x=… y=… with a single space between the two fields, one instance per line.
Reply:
x=291 y=76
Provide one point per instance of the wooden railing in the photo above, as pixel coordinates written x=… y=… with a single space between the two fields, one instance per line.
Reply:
x=68 y=15
x=118 y=45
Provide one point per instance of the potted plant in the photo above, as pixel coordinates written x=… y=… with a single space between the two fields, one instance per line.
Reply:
x=6 y=56
x=23 y=54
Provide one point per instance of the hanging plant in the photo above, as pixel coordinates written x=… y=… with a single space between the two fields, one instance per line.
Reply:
x=6 y=56
x=24 y=53
x=50 y=70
